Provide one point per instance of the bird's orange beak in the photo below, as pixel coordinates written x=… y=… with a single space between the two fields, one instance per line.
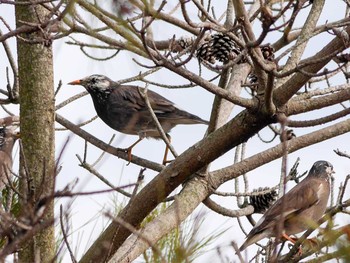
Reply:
x=75 y=82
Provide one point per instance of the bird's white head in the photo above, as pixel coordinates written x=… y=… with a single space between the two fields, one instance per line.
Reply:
x=94 y=82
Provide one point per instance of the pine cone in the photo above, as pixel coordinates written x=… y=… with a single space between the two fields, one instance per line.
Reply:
x=218 y=47
x=262 y=202
x=224 y=48
x=205 y=52
x=182 y=44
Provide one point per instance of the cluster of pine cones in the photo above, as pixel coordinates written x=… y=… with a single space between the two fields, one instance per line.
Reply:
x=221 y=47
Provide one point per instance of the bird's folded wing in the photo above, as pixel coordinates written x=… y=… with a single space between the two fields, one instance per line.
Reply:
x=301 y=197
x=132 y=99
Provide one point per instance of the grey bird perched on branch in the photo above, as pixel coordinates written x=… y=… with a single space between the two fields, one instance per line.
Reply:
x=8 y=137
x=302 y=207
x=123 y=109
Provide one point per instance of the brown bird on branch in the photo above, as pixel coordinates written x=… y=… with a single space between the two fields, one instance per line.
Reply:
x=299 y=209
x=123 y=109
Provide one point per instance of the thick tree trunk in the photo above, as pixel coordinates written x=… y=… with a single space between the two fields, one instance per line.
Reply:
x=37 y=129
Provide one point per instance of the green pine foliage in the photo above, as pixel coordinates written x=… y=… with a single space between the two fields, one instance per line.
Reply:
x=183 y=243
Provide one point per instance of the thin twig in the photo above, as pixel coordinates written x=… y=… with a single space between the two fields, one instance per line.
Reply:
x=65 y=237
x=143 y=94
x=92 y=170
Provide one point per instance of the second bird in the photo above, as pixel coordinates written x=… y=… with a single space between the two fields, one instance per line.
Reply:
x=123 y=109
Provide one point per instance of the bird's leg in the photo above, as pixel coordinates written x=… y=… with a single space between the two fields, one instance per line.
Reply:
x=165 y=161
x=293 y=240
x=129 y=149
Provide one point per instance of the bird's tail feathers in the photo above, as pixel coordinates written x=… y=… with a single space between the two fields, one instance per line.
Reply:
x=252 y=239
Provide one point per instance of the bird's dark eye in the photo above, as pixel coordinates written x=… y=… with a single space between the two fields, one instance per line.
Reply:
x=93 y=80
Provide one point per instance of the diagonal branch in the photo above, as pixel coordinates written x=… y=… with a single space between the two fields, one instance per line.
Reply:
x=305 y=34
x=295 y=107
x=218 y=177
x=283 y=93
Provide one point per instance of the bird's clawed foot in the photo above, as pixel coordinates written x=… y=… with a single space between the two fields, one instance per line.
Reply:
x=307 y=245
x=129 y=149
x=293 y=240
x=165 y=158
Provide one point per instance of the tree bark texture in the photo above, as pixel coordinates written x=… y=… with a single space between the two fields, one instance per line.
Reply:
x=37 y=128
